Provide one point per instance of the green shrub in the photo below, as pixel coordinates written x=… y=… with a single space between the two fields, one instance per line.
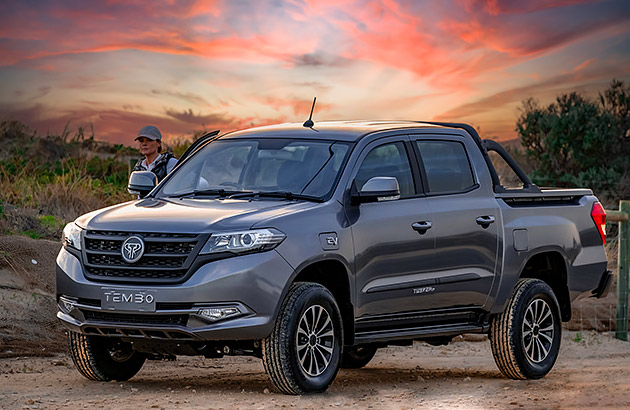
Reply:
x=580 y=142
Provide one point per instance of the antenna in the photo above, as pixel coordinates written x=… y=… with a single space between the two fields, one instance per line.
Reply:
x=309 y=123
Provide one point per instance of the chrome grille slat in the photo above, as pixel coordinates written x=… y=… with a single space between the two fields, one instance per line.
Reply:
x=147 y=235
x=134 y=276
x=144 y=262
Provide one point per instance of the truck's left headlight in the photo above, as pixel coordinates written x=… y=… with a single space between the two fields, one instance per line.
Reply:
x=244 y=241
x=71 y=236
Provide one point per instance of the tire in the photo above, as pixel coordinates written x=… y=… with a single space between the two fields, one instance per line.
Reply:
x=303 y=351
x=103 y=359
x=356 y=357
x=525 y=338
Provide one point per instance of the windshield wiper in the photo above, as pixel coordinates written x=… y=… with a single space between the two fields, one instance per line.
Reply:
x=276 y=194
x=200 y=192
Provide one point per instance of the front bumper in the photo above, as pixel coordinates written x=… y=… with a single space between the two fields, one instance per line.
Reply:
x=254 y=284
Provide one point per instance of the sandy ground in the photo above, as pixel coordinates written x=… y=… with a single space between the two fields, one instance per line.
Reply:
x=593 y=370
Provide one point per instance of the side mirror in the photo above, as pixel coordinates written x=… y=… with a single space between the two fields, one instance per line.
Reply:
x=141 y=183
x=378 y=189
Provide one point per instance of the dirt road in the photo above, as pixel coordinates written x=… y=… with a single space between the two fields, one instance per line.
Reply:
x=593 y=371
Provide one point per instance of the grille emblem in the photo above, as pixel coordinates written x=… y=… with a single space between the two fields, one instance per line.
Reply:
x=132 y=249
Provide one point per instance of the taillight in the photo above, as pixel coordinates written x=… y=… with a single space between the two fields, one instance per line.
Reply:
x=599 y=217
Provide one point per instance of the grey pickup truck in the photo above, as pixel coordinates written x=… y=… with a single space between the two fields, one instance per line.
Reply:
x=312 y=246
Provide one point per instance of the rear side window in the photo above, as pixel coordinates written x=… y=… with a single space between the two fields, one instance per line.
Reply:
x=446 y=165
x=389 y=160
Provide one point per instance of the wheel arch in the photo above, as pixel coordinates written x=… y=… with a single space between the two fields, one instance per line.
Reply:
x=333 y=274
x=551 y=267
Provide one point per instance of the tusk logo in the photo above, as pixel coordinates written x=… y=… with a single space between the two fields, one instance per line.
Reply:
x=132 y=249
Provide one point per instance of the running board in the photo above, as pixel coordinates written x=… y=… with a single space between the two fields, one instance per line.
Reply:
x=416 y=333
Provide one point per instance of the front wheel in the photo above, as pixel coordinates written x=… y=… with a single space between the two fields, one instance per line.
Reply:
x=302 y=353
x=525 y=338
x=103 y=359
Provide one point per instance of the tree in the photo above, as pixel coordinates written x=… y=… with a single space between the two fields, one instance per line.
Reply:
x=580 y=142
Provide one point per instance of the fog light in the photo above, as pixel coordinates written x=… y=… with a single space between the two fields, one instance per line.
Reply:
x=218 y=313
x=66 y=305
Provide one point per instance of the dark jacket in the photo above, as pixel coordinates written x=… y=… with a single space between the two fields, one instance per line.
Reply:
x=159 y=169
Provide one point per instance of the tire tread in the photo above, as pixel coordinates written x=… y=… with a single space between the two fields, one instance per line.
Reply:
x=275 y=354
x=503 y=332
x=91 y=361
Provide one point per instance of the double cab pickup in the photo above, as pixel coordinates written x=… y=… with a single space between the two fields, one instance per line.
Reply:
x=312 y=246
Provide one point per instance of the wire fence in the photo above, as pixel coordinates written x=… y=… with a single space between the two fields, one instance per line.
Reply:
x=609 y=314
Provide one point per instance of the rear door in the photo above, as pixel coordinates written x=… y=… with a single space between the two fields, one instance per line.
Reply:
x=465 y=223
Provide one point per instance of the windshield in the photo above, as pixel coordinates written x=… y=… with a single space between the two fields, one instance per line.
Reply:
x=301 y=167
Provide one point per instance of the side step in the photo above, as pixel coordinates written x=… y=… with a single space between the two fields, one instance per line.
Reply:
x=417 y=333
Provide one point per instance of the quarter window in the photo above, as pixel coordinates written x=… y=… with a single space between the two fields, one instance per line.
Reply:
x=389 y=160
x=446 y=165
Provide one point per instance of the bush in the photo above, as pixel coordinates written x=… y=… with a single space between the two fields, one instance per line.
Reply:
x=580 y=142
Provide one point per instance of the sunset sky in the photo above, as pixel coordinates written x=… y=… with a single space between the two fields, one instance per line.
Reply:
x=190 y=65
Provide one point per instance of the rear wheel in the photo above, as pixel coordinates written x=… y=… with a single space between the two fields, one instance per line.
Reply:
x=104 y=359
x=302 y=353
x=355 y=357
x=525 y=338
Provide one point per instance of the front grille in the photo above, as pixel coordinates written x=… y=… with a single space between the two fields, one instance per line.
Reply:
x=167 y=256
x=138 y=318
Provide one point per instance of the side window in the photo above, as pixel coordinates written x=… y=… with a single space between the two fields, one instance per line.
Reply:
x=389 y=160
x=446 y=165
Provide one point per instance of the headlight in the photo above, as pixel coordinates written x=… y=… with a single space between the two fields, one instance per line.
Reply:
x=71 y=236
x=244 y=241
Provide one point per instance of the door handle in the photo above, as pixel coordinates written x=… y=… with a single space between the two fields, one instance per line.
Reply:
x=421 y=227
x=485 y=221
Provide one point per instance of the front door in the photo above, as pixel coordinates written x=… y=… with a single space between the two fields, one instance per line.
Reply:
x=388 y=250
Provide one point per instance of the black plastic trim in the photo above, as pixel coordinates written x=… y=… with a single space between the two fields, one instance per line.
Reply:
x=528 y=186
x=531 y=202
x=605 y=283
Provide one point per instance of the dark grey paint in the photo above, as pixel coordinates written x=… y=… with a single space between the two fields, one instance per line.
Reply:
x=390 y=266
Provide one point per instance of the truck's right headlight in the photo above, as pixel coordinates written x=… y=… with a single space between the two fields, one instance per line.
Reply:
x=71 y=236
x=255 y=240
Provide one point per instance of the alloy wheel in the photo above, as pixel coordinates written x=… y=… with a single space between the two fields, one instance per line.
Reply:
x=315 y=340
x=538 y=330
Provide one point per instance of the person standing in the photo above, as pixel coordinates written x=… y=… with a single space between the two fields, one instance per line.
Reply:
x=150 y=145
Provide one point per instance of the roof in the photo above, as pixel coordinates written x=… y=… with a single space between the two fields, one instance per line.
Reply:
x=350 y=131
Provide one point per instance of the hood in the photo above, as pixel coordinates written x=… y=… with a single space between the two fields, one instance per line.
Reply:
x=188 y=215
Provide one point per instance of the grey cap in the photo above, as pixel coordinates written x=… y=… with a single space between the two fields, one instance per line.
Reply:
x=151 y=132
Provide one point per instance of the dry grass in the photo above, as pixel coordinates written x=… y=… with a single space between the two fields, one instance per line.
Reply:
x=46 y=182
